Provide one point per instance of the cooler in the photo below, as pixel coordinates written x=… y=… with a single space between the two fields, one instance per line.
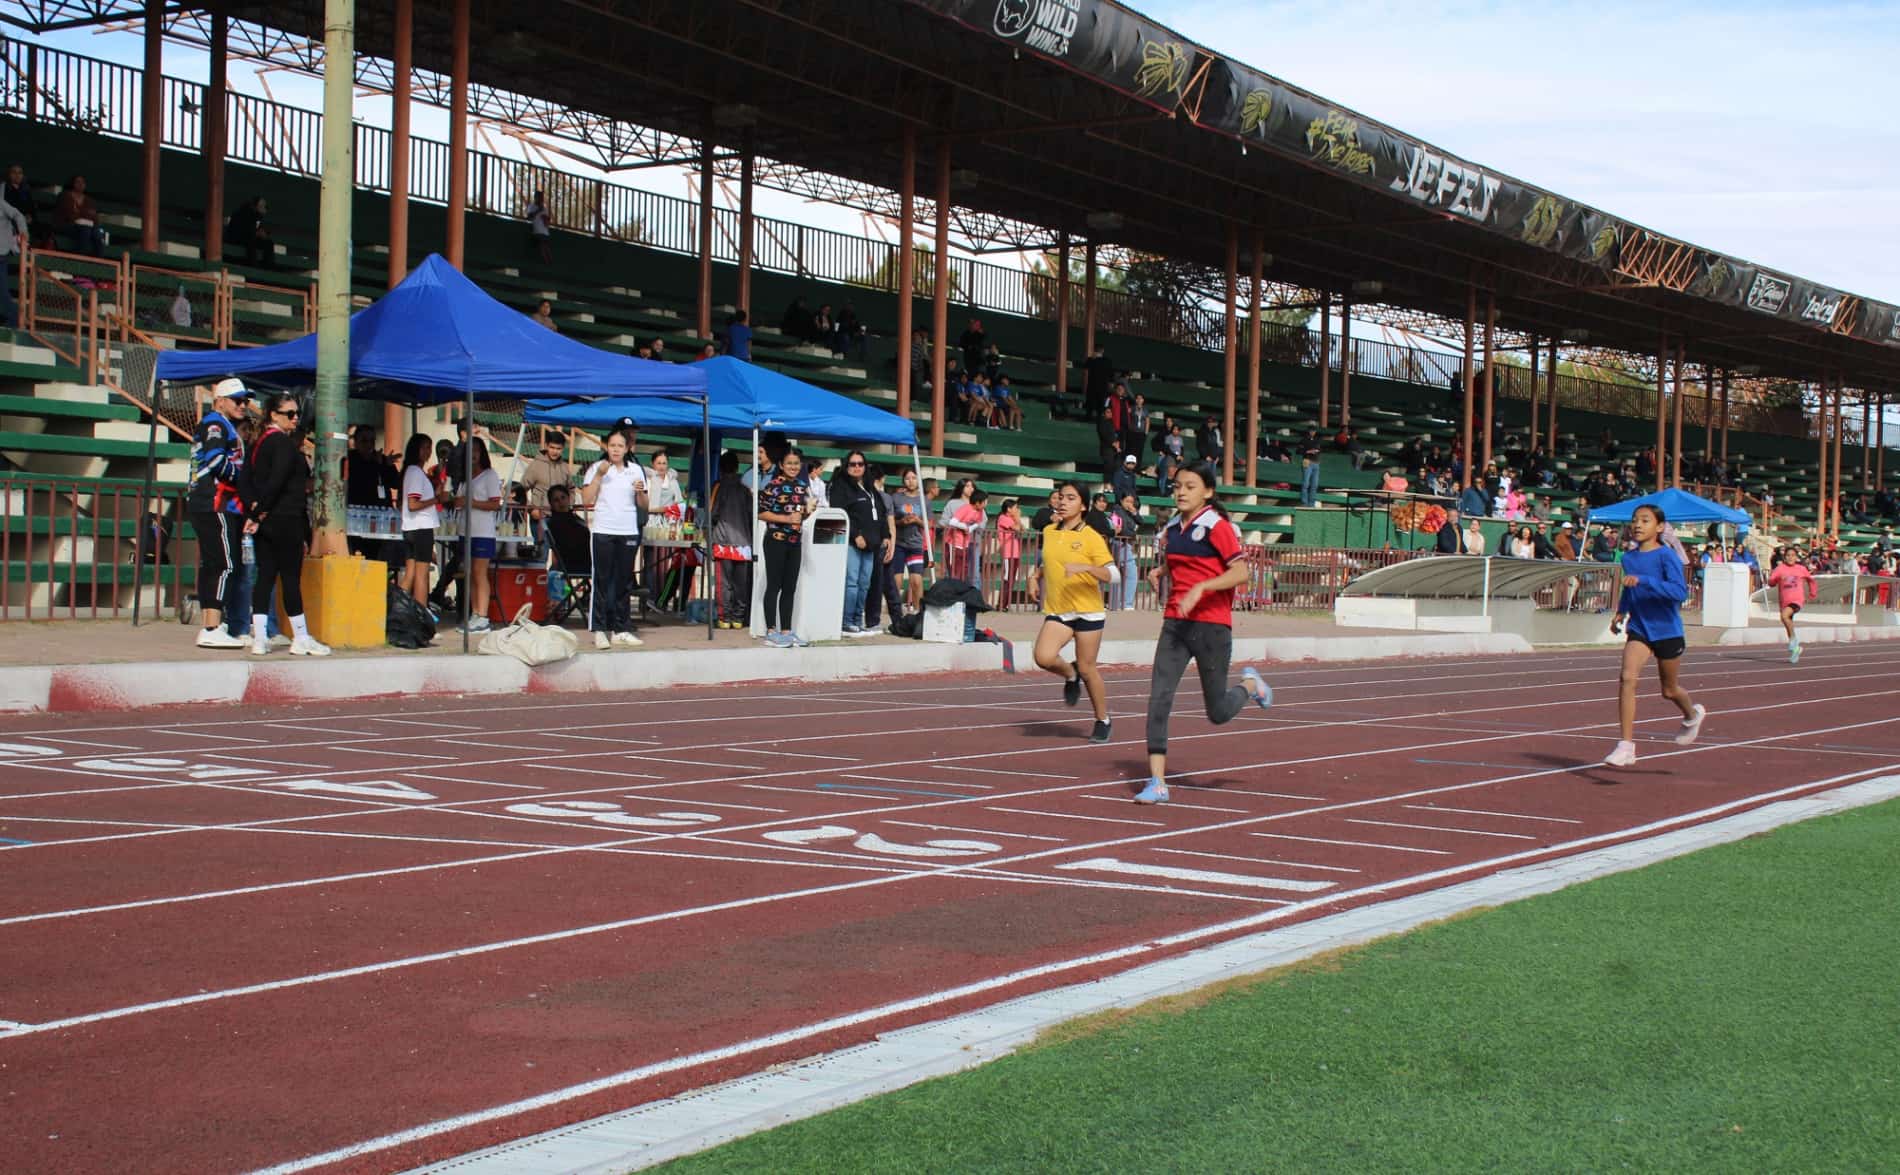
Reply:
x=515 y=586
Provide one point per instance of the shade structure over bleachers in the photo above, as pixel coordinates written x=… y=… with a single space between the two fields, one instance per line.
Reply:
x=437 y=338
x=742 y=396
x=1679 y=507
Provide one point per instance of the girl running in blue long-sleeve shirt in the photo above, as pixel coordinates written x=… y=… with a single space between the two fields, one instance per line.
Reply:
x=1654 y=589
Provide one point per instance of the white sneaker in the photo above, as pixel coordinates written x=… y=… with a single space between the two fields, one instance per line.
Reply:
x=219 y=638
x=479 y=624
x=601 y=641
x=309 y=646
x=627 y=640
x=1623 y=756
x=280 y=641
x=259 y=647
x=1691 y=726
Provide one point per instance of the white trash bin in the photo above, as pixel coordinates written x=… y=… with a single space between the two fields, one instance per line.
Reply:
x=818 y=609
x=1725 y=595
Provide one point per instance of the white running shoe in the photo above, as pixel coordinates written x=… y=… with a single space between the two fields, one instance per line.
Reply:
x=601 y=641
x=1623 y=756
x=479 y=624
x=627 y=640
x=219 y=638
x=309 y=646
x=1794 y=651
x=259 y=646
x=280 y=641
x=1691 y=726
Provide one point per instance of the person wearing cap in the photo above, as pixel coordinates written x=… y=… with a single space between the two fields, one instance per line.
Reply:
x=210 y=498
x=615 y=490
x=1125 y=482
x=1566 y=543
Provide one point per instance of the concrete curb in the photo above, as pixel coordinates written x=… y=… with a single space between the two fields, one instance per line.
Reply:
x=69 y=689
x=1811 y=634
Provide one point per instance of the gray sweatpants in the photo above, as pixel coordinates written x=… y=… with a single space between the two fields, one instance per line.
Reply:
x=1212 y=648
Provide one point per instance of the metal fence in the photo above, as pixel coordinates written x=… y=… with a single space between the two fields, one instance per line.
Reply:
x=85 y=549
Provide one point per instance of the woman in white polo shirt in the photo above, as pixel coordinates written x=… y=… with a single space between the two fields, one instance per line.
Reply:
x=615 y=489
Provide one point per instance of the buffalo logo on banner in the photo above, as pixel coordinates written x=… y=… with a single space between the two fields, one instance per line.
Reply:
x=1047 y=26
x=1769 y=293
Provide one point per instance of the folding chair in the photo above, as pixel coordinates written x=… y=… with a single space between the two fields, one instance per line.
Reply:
x=579 y=589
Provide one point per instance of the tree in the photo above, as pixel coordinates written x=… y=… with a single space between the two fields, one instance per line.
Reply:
x=883 y=275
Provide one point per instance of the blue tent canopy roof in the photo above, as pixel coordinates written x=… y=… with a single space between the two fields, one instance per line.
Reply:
x=743 y=397
x=1680 y=508
x=438 y=337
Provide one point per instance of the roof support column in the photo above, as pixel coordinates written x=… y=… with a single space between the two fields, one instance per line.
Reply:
x=215 y=134
x=1253 y=358
x=1662 y=405
x=402 y=62
x=744 y=300
x=1229 y=357
x=906 y=271
x=1840 y=439
x=1550 y=399
x=1675 y=442
x=1880 y=445
x=1535 y=419
x=1490 y=373
x=1866 y=437
x=458 y=133
x=704 y=320
x=1062 y=318
x=1471 y=320
x=151 y=123
x=1325 y=359
x=940 y=300
x=333 y=271
x=1708 y=415
x=1088 y=301
x=1725 y=415
x=1820 y=491
x=1345 y=362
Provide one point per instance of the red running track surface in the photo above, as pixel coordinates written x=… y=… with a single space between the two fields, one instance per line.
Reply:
x=365 y=936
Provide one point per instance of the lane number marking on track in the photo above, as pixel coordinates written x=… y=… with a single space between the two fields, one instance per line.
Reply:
x=25 y=751
x=601 y=812
x=369 y=789
x=155 y=766
x=871 y=842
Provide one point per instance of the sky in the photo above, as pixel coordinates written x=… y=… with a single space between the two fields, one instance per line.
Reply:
x=1760 y=129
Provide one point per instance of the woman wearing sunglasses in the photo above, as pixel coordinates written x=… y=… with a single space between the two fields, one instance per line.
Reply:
x=277 y=513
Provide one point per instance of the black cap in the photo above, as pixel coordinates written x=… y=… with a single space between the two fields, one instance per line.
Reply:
x=461 y=424
x=623 y=424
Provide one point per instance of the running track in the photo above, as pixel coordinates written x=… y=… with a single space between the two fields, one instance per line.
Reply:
x=363 y=936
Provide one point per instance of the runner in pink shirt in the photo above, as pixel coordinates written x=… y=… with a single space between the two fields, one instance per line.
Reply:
x=1795 y=585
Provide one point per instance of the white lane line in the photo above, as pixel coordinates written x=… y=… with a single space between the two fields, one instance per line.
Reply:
x=921 y=782
x=1198 y=876
x=618 y=774
x=1198 y=807
x=176 y=732
x=356 y=750
x=1074 y=816
x=699 y=803
x=624 y=740
x=13 y=1025
x=976 y=831
x=1256 y=860
x=461 y=741
x=253 y=757
x=1488 y=812
x=432 y=725
x=808 y=791
x=1273 y=795
x=1352 y=844
x=775 y=752
x=1000 y=771
x=699 y=763
x=454 y=779
x=1440 y=828
x=83 y=742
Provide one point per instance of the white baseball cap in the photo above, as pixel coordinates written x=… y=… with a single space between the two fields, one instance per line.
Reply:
x=233 y=388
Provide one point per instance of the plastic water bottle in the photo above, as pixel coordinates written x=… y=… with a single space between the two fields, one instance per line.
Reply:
x=250 y=551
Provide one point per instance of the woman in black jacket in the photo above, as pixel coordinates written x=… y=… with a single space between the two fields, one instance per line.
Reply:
x=858 y=496
x=277 y=517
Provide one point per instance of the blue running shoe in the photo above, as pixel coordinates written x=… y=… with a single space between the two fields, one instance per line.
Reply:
x=1264 y=696
x=1155 y=793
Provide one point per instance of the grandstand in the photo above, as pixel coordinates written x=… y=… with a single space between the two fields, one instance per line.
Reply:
x=61 y=419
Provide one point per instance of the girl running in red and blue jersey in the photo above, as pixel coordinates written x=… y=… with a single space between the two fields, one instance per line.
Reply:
x=1205 y=563
x=1654 y=589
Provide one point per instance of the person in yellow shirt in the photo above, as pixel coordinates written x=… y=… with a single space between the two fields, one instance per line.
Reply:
x=1075 y=564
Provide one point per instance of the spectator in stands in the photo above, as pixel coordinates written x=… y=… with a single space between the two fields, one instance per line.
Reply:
x=796 y=322
x=615 y=489
x=246 y=230
x=1135 y=423
x=544 y=314
x=739 y=336
x=848 y=334
x=1521 y=545
x=814 y=477
x=1857 y=511
x=919 y=360
x=481 y=507
x=821 y=327
x=19 y=193
x=1309 y=468
x=15 y=234
x=1108 y=442
x=1209 y=445
x=1603 y=546
x=1174 y=449
x=974 y=344
x=1450 y=539
x=869 y=538
x=784 y=503
x=1273 y=449
x=1098 y=373
x=1474 y=536
x=967 y=538
x=547 y=469
x=274 y=491
x=656 y=349
x=76 y=219
x=1474 y=501
x=569 y=543
x=732 y=515
x=1008 y=409
x=1393 y=482
x=1125 y=481
x=978 y=408
x=538 y=236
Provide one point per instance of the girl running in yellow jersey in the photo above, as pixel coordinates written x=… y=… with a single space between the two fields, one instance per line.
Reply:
x=1075 y=564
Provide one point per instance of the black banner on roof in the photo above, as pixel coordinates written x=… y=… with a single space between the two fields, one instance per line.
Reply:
x=1151 y=63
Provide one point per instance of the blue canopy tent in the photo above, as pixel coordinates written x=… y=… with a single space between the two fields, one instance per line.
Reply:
x=1680 y=507
x=438 y=338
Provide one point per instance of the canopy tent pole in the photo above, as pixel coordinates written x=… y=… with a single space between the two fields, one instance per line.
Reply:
x=917 y=466
x=145 y=506
x=468 y=516
x=705 y=515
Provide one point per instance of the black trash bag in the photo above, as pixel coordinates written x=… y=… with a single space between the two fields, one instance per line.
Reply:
x=408 y=624
x=910 y=625
x=946 y=592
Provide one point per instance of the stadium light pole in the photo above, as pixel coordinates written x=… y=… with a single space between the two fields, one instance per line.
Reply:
x=402 y=67
x=333 y=270
x=1253 y=358
x=215 y=135
x=906 y=270
x=940 y=300
x=458 y=135
x=1471 y=322
x=1229 y=358
x=1325 y=359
